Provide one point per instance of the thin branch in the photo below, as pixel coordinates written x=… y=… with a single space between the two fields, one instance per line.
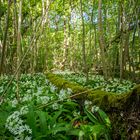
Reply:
x=72 y=96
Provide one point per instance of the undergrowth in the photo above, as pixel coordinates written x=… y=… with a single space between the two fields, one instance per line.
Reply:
x=98 y=82
x=34 y=108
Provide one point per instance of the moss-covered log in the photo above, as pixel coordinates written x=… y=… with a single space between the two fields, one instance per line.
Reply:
x=106 y=100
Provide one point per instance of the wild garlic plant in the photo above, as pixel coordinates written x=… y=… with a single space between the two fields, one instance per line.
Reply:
x=98 y=82
x=43 y=111
x=32 y=89
x=17 y=126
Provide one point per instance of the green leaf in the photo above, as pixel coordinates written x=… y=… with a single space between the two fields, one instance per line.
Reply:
x=91 y=117
x=98 y=129
x=104 y=118
x=74 y=132
x=31 y=120
x=42 y=121
x=70 y=104
x=95 y=131
x=55 y=117
x=59 y=127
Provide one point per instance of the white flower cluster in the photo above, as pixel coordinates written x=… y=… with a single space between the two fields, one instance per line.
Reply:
x=64 y=94
x=14 y=102
x=47 y=81
x=43 y=99
x=69 y=91
x=76 y=114
x=94 y=109
x=63 y=72
x=55 y=106
x=23 y=138
x=87 y=103
x=26 y=98
x=98 y=82
x=52 y=87
x=24 y=110
x=16 y=125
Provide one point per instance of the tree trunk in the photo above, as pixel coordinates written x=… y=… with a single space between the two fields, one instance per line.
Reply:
x=19 y=46
x=65 y=48
x=19 y=50
x=2 y=65
x=83 y=42
x=102 y=41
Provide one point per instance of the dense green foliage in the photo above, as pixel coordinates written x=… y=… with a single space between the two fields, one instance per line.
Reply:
x=44 y=112
x=98 y=82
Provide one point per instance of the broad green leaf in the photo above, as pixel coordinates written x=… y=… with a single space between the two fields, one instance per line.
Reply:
x=42 y=121
x=104 y=118
x=91 y=117
x=31 y=120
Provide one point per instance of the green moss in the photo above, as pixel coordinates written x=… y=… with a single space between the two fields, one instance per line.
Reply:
x=137 y=89
x=62 y=83
x=105 y=100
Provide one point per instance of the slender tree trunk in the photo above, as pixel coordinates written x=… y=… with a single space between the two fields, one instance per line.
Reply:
x=69 y=35
x=116 y=63
x=65 y=49
x=19 y=46
x=47 y=38
x=15 y=26
x=95 y=48
x=126 y=50
x=46 y=29
x=83 y=42
x=95 y=42
x=102 y=41
x=2 y=65
x=73 y=48
x=33 y=58
x=122 y=41
x=19 y=50
x=94 y=53
x=121 y=60
x=133 y=46
x=91 y=49
x=43 y=12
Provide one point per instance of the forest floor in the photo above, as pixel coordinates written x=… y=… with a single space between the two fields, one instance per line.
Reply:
x=35 y=103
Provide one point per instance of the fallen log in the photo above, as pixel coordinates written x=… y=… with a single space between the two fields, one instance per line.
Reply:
x=103 y=99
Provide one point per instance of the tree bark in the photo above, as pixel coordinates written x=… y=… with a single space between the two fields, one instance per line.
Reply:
x=2 y=65
x=66 y=43
x=19 y=50
x=102 y=41
x=83 y=42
